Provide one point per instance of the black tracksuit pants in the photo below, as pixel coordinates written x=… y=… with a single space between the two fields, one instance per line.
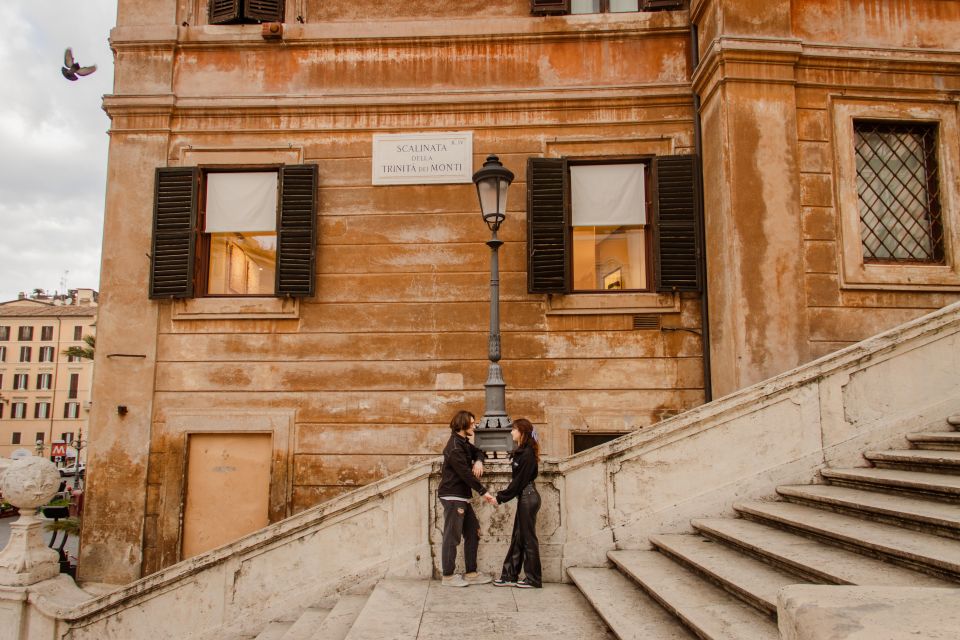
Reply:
x=524 y=548
x=459 y=522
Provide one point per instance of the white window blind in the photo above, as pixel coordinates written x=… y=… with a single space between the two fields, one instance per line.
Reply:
x=608 y=195
x=242 y=202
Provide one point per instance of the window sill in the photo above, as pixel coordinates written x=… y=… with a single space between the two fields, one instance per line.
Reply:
x=236 y=309
x=612 y=303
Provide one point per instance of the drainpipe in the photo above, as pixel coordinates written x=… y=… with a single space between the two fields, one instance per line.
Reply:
x=702 y=262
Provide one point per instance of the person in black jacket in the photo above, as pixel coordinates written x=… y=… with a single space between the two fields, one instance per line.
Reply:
x=524 y=546
x=462 y=470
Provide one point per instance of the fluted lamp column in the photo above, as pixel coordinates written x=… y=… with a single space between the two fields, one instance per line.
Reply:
x=493 y=431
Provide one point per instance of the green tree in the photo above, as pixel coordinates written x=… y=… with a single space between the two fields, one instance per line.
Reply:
x=83 y=352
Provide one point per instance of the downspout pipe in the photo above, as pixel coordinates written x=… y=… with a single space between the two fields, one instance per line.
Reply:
x=702 y=262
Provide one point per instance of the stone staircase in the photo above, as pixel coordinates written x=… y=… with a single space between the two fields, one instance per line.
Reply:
x=896 y=523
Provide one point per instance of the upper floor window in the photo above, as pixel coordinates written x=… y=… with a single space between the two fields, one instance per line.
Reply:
x=244 y=11
x=25 y=354
x=74 y=385
x=46 y=354
x=18 y=410
x=3 y=354
x=71 y=410
x=78 y=332
x=25 y=334
x=257 y=232
x=5 y=332
x=41 y=410
x=604 y=6
x=20 y=381
x=592 y=227
x=44 y=381
x=555 y=7
x=46 y=333
x=898 y=191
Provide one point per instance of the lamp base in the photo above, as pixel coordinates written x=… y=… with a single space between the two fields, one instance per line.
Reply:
x=492 y=433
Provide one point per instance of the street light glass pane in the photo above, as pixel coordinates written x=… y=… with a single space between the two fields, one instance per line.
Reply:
x=502 y=205
x=487 y=190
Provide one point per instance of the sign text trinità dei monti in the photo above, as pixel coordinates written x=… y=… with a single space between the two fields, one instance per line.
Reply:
x=423 y=158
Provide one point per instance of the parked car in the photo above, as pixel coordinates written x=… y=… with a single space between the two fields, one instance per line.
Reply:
x=70 y=471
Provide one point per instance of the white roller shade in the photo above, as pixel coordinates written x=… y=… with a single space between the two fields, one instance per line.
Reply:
x=244 y=202
x=608 y=195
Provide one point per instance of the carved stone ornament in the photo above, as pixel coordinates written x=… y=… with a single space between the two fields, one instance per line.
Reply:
x=28 y=484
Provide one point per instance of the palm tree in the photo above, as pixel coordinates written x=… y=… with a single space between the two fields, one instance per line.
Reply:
x=83 y=352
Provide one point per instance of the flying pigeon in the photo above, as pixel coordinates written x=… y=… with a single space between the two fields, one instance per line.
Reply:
x=71 y=69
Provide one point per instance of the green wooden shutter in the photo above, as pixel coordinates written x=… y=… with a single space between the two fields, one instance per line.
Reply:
x=549 y=7
x=297 y=231
x=264 y=10
x=676 y=227
x=174 y=232
x=223 y=11
x=546 y=225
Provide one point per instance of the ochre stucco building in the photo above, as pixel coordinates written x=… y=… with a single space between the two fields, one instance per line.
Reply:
x=758 y=181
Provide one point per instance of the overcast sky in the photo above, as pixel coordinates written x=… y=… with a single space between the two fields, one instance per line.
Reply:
x=54 y=143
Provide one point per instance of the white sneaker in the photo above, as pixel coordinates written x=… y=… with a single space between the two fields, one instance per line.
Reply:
x=456 y=580
x=477 y=578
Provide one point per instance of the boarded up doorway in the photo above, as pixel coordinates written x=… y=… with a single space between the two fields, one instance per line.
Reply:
x=227 y=489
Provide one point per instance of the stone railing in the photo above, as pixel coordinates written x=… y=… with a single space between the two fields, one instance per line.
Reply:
x=784 y=430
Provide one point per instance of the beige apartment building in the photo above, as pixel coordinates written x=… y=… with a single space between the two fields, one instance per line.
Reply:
x=44 y=394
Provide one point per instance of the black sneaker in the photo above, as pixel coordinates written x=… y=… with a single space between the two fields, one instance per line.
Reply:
x=523 y=584
x=500 y=582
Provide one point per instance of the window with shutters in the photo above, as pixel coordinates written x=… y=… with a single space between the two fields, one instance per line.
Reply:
x=74 y=385
x=234 y=232
x=575 y=7
x=5 y=333
x=46 y=354
x=71 y=410
x=18 y=410
x=41 y=410
x=3 y=354
x=25 y=334
x=20 y=381
x=613 y=225
x=244 y=11
x=46 y=333
x=44 y=381
x=25 y=353
x=78 y=332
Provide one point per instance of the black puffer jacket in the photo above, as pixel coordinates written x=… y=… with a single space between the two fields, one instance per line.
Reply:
x=457 y=479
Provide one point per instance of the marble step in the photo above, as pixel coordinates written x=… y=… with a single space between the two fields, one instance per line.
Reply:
x=337 y=624
x=625 y=608
x=941 y=486
x=818 y=562
x=274 y=631
x=916 y=460
x=306 y=625
x=934 y=554
x=710 y=612
x=942 y=440
x=393 y=611
x=751 y=580
x=923 y=515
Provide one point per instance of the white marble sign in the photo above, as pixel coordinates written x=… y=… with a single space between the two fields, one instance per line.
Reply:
x=423 y=158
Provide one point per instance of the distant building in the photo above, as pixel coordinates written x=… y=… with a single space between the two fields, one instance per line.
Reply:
x=44 y=394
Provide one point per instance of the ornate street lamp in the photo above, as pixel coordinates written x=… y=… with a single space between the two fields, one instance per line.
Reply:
x=493 y=432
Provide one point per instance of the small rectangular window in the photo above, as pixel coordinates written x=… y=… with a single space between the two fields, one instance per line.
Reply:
x=44 y=381
x=898 y=192
x=18 y=410
x=25 y=353
x=604 y=6
x=41 y=437
x=46 y=354
x=20 y=381
x=584 y=441
x=46 y=333
x=5 y=333
x=3 y=354
x=41 y=410
x=67 y=437
x=78 y=333
x=25 y=334
x=15 y=439
x=71 y=410
x=74 y=385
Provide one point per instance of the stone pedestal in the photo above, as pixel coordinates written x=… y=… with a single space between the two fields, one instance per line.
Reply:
x=28 y=484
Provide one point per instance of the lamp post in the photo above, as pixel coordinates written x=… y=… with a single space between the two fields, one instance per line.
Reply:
x=493 y=432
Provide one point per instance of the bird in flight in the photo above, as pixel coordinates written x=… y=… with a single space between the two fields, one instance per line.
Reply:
x=71 y=69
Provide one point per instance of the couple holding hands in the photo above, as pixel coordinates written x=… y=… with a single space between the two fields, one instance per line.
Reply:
x=462 y=470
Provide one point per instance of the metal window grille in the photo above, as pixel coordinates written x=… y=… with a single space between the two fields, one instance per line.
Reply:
x=898 y=188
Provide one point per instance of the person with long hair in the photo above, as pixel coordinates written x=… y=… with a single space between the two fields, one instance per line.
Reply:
x=524 y=548
x=462 y=470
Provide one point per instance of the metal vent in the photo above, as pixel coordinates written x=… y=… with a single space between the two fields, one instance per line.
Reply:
x=646 y=321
